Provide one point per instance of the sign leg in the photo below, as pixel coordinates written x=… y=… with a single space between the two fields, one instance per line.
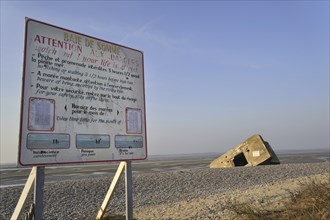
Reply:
x=39 y=193
x=110 y=191
x=129 y=191
x=25 y=194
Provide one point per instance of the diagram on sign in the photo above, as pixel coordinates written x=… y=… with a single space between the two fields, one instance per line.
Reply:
x=134 y=121
x=41 y=114
x=92 y=141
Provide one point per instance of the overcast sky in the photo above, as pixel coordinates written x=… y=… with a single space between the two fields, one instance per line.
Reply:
x=216 y=72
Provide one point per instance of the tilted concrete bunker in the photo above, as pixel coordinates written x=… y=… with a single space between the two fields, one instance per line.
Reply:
x=252 y=152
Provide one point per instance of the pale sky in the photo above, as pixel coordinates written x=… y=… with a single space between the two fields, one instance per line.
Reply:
x=216 y=72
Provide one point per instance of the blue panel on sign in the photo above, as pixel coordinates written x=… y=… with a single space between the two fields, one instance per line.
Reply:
x=128 y=141
x=48 y=141
x=92 y=141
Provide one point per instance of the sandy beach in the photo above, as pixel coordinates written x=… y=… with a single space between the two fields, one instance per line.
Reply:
x=269 y=196
x=196 y=192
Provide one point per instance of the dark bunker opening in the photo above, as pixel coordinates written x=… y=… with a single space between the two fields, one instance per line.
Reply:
x=240 y=160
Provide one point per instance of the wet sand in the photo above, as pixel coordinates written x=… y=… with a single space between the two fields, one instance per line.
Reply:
x=12 y=176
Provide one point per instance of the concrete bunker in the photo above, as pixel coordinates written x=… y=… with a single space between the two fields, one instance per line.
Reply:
x=251 y=152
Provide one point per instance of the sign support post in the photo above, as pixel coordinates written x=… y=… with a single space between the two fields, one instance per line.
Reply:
x=128 y=189
x=35 y=178
x=39 y=192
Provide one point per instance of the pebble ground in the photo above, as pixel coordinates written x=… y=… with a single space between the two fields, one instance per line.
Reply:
x=80 y=199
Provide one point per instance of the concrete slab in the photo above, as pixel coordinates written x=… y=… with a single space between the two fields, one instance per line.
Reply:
x=251 y=152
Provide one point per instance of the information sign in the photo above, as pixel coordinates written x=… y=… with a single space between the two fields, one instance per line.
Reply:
x=83 y=99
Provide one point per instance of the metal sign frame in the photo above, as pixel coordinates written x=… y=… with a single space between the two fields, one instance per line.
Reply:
x=83 y=99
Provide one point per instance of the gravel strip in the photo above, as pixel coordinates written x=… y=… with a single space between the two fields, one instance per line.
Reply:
x=81 y=199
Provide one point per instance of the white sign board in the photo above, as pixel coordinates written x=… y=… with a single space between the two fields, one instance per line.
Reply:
x=82 y=99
